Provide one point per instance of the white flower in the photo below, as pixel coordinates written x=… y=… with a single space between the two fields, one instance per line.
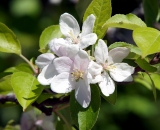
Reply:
x=71 y=30
x=45 y=63
x=110 y=62
x=73 y=75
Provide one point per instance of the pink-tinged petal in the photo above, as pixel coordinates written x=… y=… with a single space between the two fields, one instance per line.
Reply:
x=81 y=61
x=63 y=64
x=101 y=52
x=107 y=86
x=62 y=83
x=88 y=40
x=88 y=25
x=47 y=74
x=117 y=54
x=58 y=46
x=68 y=24
x=72 y=50
x=83 y=93
x=121 y=72
x=44 y=59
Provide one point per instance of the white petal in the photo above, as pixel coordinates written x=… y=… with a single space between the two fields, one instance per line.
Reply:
x=117 y=54
x=62 y=83
x=101 y=52
x=81 y=61
x=88 y=25
x=47 y=74
x=83 y=93
x=94 y=68
x=44 y=59
x=87 y=40
x=69 y=24
x=121 y=72
x=107 y=86
x=63 y=64
x=56 y=46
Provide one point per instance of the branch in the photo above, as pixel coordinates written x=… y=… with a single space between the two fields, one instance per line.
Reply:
x=46 y=106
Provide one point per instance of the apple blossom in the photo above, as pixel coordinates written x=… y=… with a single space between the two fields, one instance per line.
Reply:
x=112 y=67
x=71 y=30
x=72 y=74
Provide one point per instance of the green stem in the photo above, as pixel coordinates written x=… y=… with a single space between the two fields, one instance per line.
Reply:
x=62 y=117
x=32 y=67
x=93 y=50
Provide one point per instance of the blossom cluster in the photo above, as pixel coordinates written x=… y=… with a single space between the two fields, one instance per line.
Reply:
x=69 y=67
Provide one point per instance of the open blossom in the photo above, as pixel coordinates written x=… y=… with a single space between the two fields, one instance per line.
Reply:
x=110 y=63
x=72 y=74
x=71 y=30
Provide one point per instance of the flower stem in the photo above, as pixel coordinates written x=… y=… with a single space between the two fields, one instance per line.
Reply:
x=62 y=117
x=32 y=67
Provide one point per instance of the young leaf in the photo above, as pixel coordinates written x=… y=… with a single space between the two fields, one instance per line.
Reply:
x=26 y=88
x=150 y=11
x=142 y=63
x=147 y=39
x=85 y=118
x=5 y=85
x=102 y=10
x=112 y=98
x=47 y=35
x=8 y=41
x=21 y=67
x=129 y=21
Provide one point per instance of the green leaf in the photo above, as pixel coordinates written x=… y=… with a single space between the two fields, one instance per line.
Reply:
x=47 y=35
x=21 y=67
x=144 y=79
x=147 y=39
x=43 y=97
x=112 y=98
x=129 y=21
x=102 y=10
x=8 y=41
x=5 y=85
x=26 y=88
x=135 y=52
x=85 y=118
x=150 y=11
x=142 y=63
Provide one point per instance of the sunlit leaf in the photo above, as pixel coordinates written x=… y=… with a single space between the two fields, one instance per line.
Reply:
x=150 y=11
x=102 y=10
x=47 y=35
x=142 y=63
x=26 y=88
x=150 y=80
x=147 y=39
x=5 y=85
x=129 y=21
x=8 y=41
x=85 y=118
x=21 y=67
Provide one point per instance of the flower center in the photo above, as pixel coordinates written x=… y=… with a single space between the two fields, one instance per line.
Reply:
x=108 y=67
x=77 y=74
x=74 y=38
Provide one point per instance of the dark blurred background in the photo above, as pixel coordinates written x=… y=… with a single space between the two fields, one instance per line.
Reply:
x=135 y=107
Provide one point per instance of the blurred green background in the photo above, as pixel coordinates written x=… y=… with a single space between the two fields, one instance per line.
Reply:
x=135 y=107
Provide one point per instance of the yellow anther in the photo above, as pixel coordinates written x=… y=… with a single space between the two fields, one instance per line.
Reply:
x=77 y=74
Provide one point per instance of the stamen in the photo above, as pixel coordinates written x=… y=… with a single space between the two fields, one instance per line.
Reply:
x=77 y=74
x=74 y=38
